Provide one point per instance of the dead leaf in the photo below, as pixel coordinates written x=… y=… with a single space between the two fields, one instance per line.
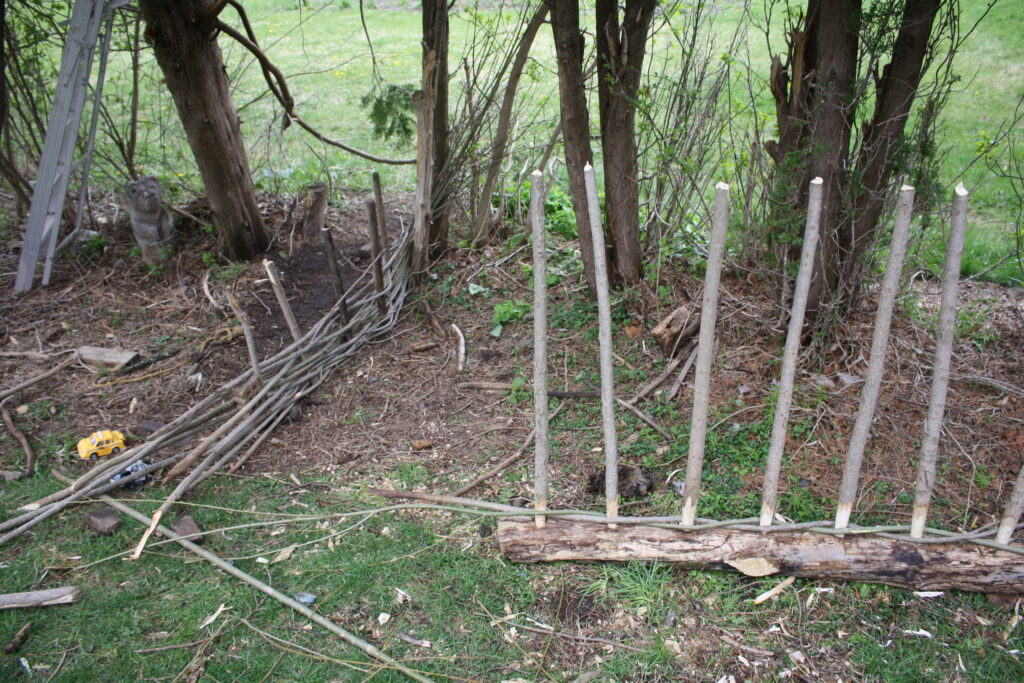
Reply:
x=401 y=596
x=633 y=332
x=213 y=617
x=421 y=445
x=919 y=632
x=283 y=555
x=754 y=566
x=383 y=618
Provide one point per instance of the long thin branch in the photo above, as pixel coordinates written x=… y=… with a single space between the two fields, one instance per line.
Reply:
x=267 y=590
x=30 y=455
x=280 y=92
x=38 y=378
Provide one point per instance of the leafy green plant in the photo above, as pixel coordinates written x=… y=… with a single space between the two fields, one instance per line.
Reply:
x=391 y=112
x=636 y=584
x=974 y=323
x=506 y=312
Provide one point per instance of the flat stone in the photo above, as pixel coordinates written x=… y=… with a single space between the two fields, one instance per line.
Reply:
x=188 y=529
x=103 y=520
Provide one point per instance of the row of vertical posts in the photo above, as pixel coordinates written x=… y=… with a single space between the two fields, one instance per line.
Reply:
x=705 y=358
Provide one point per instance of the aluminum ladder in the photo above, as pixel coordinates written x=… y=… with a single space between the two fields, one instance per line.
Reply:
x=57 y=161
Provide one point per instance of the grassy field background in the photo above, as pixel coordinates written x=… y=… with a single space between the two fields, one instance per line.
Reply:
x=324 y=51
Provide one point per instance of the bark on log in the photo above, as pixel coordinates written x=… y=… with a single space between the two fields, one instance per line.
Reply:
x=54 y=596
x=675 y=330
x=316 y=212
x=920 y=566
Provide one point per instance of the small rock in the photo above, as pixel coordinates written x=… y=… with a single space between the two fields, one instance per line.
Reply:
x=103 y=521
x=305 y=598
x=671 y=618
x=187 y=528
x=10 y=475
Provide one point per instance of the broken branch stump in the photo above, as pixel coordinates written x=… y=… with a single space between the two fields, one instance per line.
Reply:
x=316 y=211
x=853 y=557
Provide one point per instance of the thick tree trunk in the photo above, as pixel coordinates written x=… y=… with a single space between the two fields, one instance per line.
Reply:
x=435 y=39
x=194 y=70
x=836 y=27
x=896 y=92
x=921 y=566
x=565 y=25
x=620 y=58
x=484 y=214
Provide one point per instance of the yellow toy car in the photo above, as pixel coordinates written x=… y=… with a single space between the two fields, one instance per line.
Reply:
x=98 y=444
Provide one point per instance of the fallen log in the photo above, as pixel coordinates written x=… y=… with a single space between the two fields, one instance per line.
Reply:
x=64 y=595
x=853 y=557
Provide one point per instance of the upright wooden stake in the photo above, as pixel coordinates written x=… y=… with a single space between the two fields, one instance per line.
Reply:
x=282 y=300
x=540 y=346
x=378 y=270
x=378 y=196
x=604 y=333
x=423 y=102
x=770 y=491
x=879 y=344
x=705 y=354
x=339 y=283
x=940 y=368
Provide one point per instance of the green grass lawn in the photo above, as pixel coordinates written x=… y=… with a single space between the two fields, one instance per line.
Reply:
x=145 y=619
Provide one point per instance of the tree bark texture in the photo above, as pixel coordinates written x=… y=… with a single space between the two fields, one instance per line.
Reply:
x=896 y=92
x=435 y=38
x=835 y=27
x=190 y=59
x=620 y=58
x=816 y=101
x=920 y=566
x=565 y=26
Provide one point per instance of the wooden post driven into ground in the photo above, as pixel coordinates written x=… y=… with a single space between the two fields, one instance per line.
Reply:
x=942 y=560
x=780 y=427
x=940 y=368
x=604 y=335
x=705 y=354
x=876 y=366
x=540 y=345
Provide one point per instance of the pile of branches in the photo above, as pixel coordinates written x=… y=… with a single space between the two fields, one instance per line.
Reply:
x=245 y=410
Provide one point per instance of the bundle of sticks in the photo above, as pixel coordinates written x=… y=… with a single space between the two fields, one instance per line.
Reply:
x=276 y=385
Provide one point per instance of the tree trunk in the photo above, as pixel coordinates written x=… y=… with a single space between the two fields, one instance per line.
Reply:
x=565 y=25
x=920 y=566
x=435 y=38
x=191 y=62
x=484 y=214
x=896 y=92
x=620 y=58
x=830 y=124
